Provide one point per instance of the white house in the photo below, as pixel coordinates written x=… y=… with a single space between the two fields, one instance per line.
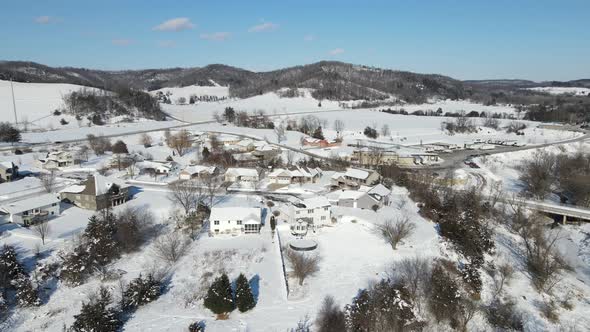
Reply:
x=234 y=220
x=380 y=194
x=308 y=215
x=364 y=198
x=197 y=171
x=57 y=159
x=31 y=210
x=241 y=175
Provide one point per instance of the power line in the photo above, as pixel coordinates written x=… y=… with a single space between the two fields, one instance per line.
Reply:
x=13 y=102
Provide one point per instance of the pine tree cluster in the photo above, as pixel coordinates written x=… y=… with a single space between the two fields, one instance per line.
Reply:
x=14 y=277
x=222 y=300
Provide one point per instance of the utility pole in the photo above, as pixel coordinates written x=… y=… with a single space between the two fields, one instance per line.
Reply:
x=13 y=102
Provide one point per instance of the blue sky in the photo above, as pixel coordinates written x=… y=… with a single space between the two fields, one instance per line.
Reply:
x=538 y=40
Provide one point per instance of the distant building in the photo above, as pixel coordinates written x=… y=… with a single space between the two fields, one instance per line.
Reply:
x=249 y=175
x=320 y=143
x=57 y=159
x=96 y=193
x=234 y=220
x=32 y=210
x=366 y=198
x=197 y=172
x=8 y=171
x=294 y=174
x=354 y=178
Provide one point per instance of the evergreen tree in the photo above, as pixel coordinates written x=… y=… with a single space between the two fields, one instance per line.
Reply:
x=205 y=153
x=96 y=315
x=244 y=297
x=8 y=133
x=318 y=133
x=219 y=297
x=76 y=266
x=141 y=291
x=101 y=241
x=120 y=147
x=26 y=294
x=9 y=265
x=359 y=314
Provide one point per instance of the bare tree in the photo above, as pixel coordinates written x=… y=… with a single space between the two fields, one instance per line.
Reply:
x=187 y=195
x=302 y=265
x=330 y=318
x=290 y=157
x=145 y=140
x=393 y=232
x=543 y=260
x=180 y=142
x=537 y=174
x=48 y=181
x=467 y=310
x=212 y=184
x=415 y=274
x=501 y=277
x=42 y=229
x=385 y=131
x=171 y=247
x=83 y=152
x=339 y=127
x=280 y=133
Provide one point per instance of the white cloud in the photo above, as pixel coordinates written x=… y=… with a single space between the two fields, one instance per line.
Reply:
x=336 y=51
x=216 y=36
x=266 y=26
x=46 y=19
x=175 y=24
x=122 y=42
x=166 y=43
x=309 y=38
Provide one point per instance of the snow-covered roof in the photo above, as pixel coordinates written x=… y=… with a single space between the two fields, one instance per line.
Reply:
x=316 y=202
x=279 y=172
x=30 y=203
x=242 y=171
x=351 y=194
x=337 y=175
x=6 y=164
x=380 y=190
x=247 y=215
x=357 y=173
x=196 y=169
x=74 y=189
x=95 y=184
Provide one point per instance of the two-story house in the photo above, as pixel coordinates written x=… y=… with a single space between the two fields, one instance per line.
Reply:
x=97 y=192
x=234 y=220
x=32 y=210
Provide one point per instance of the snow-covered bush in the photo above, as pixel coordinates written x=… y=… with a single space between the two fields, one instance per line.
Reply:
x=219 y=298
x=244 y=297
x=141 y=291
x=97 y=314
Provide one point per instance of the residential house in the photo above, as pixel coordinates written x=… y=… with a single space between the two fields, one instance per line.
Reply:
x=32 y=210
x=158 y=167
x=364 y=198
x=249 y=175
x=310 y=214
x=97 y=192
x=234 y=220
x=320 y=143
x=354 y=178
x=380 y=157
x=197 y=172
x=57 y=159
x=8 y=171
x=294 y=174
x=266 y=152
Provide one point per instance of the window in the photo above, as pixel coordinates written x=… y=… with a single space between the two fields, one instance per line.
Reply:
x=297 y=212
x=326 y=208
x=310 y=211
x=54 y=204
x=216 y=222
x=239 y=222
x=323 y=218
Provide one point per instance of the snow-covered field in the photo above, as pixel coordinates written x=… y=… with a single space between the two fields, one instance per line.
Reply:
x=577 y=91
x=35 y=103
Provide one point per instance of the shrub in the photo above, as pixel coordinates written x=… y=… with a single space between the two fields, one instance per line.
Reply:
x=197 y=327
x=371 y=132
x=302 y=265
x=503 y=315
x=141 y=291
